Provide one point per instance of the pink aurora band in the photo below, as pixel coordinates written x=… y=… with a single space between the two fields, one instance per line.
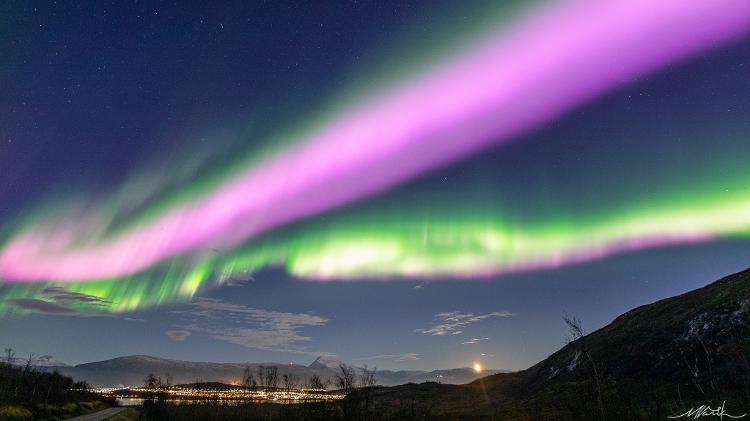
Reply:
x=510 y=83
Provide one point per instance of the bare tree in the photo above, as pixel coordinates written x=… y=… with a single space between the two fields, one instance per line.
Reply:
x=575 y=328
x=367 y=378
x=345 y=378
x=366 y=381
x=247 y=377
x=315 y=383
x=29 y=362
x=151 y=382
x=290 y=381
x=167 y=380
x=272 y=377
x=262 y=375
x=576 y=333
x=9 y=355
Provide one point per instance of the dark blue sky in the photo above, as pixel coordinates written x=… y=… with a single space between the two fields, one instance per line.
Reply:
x=92 y=89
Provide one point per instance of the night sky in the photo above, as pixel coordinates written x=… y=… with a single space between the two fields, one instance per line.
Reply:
x=404 y=184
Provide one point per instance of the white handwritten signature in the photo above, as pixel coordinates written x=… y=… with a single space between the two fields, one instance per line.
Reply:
x=707 y=411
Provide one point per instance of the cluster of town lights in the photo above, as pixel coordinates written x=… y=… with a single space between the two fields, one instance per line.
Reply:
x=231 y=393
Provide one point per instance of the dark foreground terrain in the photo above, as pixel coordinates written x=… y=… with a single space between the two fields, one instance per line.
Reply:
x=313 y=411
x=27 y=393
x=654 y=361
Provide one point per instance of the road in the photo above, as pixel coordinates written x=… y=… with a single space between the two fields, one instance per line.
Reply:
x=98 y=416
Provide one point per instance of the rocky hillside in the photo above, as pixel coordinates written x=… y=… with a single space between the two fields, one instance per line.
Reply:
x=656 y=360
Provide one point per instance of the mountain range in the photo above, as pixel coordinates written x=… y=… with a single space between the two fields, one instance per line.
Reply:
x=131 y=371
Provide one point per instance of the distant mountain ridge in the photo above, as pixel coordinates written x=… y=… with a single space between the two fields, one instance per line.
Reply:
x=131 y=370
x=324 y=362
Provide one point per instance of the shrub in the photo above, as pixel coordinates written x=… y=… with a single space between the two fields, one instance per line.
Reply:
x=15 y=413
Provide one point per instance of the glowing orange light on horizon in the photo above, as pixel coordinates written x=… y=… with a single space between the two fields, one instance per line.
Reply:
x=477 y=367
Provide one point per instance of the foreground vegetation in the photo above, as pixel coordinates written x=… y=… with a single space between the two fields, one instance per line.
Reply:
x=27 y=393
x=130 y=414
x=160 y=410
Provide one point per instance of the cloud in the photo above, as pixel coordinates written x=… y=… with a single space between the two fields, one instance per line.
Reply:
x=41 y=306
x=409 y=356
x=249 y=327
x=452 y=322
x=473 y=341
x=178 y=335
x=214 y=309
x=230 y=279
x=258 y=338
x=61 y=302
x=62 y=295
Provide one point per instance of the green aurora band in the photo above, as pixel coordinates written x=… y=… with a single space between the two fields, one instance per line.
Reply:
x=466 y=237
x=375 y=243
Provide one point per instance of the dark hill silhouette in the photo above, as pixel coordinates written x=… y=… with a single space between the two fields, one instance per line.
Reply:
x=656 y=360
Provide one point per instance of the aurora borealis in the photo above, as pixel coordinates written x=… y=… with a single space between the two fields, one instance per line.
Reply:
x=324 y=201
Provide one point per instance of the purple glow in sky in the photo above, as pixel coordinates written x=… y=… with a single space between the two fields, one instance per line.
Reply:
x=509 y=83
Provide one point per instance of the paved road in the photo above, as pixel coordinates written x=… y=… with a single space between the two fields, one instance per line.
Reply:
x=98 y=416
